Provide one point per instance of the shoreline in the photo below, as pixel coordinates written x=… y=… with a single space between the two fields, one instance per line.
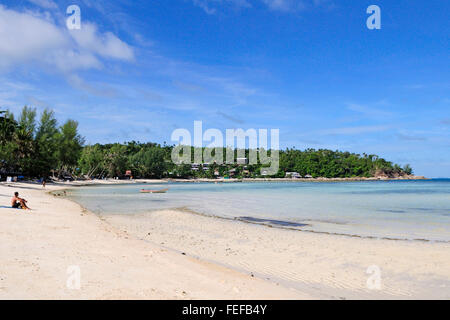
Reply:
x=197 y=235
x=110 y=181
x=279 y=224
x=308 y=223
x=38 y=247
x=298 y=260
x=290 y=264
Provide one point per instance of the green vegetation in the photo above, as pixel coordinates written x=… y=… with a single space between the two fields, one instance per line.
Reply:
x=146 y=160
x=38 y=149
x=42 y=149
x=337 y=164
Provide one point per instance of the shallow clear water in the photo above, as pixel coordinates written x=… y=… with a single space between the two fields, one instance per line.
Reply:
x=396 y=209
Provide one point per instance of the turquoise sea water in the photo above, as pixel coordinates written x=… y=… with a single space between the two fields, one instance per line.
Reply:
x=395 y=209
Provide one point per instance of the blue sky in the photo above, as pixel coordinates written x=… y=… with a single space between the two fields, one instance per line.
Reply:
x=311 y=68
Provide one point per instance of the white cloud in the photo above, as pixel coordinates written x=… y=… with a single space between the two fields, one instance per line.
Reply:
x=284 y=5
x=27 y=37
x=67 y=60
x=106 y=45
x=47 y=4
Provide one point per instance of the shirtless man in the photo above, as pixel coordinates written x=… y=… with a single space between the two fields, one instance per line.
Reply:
x=18 y=203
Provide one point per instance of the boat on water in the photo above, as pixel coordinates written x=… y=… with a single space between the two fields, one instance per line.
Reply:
x=154 y=191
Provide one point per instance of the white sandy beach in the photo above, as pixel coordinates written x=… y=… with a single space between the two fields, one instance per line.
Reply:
x=179 y=255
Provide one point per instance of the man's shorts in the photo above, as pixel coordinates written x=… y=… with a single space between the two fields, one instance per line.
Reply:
x=17 y=205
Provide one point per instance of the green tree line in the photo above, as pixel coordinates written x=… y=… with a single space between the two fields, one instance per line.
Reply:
x=151 y=160
x=42 y=148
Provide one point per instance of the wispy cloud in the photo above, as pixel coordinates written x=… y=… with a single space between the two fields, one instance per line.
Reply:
x=230 y=117
x=10 y=90
x=189 y=87
x=99 y=90
x=211 y=6
x=415 y=86
x=285 y=5
x=205 y=6
x=46 y=4
x=428 y=85
x=406 y=137
x=34 y=101
x=369 y=111
x=353 y=130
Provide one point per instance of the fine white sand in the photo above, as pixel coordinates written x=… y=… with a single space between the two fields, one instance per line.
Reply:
x=37 y=247
x=180 y=255
x=321 y=265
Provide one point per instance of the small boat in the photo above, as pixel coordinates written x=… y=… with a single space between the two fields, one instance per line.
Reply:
x=154 y=191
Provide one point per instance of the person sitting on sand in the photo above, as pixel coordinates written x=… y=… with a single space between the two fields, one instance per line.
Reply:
x=18 y=203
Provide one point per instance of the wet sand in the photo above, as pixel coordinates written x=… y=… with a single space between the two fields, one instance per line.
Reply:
x=325 y=266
